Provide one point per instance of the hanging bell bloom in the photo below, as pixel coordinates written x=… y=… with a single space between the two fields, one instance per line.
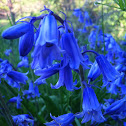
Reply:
x=108 y=71
x=91 y=107
x=16 y=100
x=23 y=120
x=94 y=72
x=48 y=30
x=14 y=78
x=26 y=42
x=116 y=107
x=16 y=31
x=43 y=56
x=47 y=72
x=71 y=47
x=65 y=79
x=63 y=120
x=46 y=46
x=24 y=62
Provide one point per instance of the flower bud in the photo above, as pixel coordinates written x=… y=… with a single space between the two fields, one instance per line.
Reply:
x=16 y=31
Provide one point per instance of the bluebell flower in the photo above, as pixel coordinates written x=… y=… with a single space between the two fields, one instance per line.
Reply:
x=124 y=123
x=91 y=107
x=84 y=30
x=43 y=56
x=36 y=90
x=81 y=18
x=92 y=39
x=94 y=72
x=63 y=120
x=46 y=46
x=88 y=21
x=117 y=107
x=16 y=100
x=113 y=86
x=69 y=44
x=16 y=31
x=1 y=60
x=23 y=62
x=26 y=41
x=65 y=79
x=14 y=78
x=23 y=120
x=77 y=12
x=47 y=72
x=32 y=92
x=108 y=71
x=5 y=67
x=40 y=81
x=48 y=31
x=7 y=52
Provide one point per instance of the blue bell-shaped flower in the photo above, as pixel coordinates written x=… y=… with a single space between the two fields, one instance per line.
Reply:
x=116 y=107
x=91 y=107
x=63 y=120
x=48 y=30
x=65 y=79
x=94 y=71
x=26 y=42
x=23 y=120
x=69 y=44
x=16 y=31
x=108 y=71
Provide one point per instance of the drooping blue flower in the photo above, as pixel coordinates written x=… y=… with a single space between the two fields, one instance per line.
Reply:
x=40 y=81
x=7 y=52
x=5 y=67
x=16 y=100
x=47 y=72
x=117 y=107
x=94 y=72
x=77 y=12
x=23 y=120
x=36 y=90
x=23 y=62
x=88 y=21
x=81 y=17
x=32 y=92
x=14 y=78
x=91 y=107
x=26 y=41
x=113 y=86
x=16 y=31
x=108 y=71
x=65 y=79
x=1 y=60
x=46 y=46
x=84 y=30
x=48 y=31
x=43 y=56
x=63 y=120
x=71 y=47
x=92 y=39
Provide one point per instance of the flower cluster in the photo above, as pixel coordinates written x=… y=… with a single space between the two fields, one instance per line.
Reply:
x=56 y=51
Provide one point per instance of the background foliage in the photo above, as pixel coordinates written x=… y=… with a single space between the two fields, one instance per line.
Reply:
x=112 y=20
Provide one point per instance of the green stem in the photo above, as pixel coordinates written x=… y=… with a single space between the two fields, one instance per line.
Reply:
x=108 y=5
x=82 y=86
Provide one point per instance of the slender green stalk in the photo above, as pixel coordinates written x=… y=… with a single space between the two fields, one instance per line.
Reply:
x=82 y=86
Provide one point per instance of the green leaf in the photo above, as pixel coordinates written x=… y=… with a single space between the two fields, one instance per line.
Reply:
x=52 y=104
x=121 y=4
